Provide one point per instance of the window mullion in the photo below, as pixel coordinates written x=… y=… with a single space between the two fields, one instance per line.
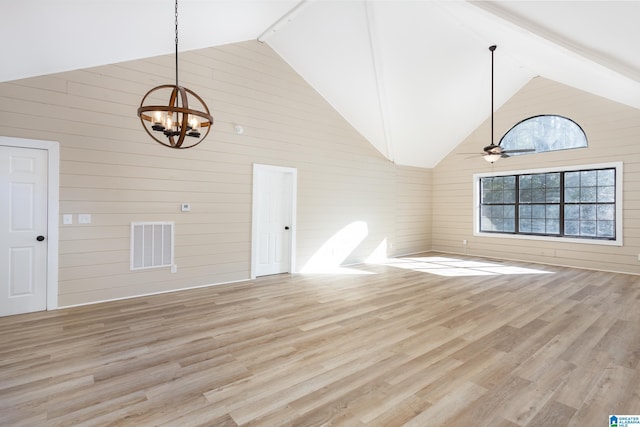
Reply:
x=562 y=204
x=517 y=205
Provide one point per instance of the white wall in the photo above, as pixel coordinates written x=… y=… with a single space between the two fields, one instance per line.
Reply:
x=613 y=133
x=111 y=169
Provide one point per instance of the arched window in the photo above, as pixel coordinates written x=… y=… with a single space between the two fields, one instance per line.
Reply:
x=544 y=133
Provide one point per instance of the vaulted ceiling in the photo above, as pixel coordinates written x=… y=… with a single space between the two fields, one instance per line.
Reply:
x=413 y=77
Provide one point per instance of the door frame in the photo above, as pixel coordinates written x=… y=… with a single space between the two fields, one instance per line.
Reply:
x=53 y=197
x=293 y=172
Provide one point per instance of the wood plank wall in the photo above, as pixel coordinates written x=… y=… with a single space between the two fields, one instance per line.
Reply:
x=112 y=170
x=613 y=133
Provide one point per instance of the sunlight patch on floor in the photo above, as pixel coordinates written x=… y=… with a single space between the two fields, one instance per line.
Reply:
x=445 y=266
x=339 y=270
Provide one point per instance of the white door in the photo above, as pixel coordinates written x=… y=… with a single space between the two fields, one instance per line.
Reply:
x=23 y=230
x=274 y=207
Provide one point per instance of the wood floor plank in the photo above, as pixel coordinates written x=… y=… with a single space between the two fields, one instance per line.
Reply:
x=482 y=412
x=400 y=345
x=610 y=394
x=448 y=406
x=552 y=414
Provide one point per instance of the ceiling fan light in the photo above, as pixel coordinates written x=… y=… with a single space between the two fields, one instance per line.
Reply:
x=491 y=158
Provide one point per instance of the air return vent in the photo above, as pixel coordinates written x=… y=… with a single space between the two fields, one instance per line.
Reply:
x=151 y=245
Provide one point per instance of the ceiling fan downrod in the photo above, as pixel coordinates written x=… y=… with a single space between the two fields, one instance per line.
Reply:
x=492 y=49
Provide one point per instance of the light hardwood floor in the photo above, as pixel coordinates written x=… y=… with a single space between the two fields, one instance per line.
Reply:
x=481 y=343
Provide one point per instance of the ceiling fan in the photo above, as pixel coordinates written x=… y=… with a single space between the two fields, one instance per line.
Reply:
x=494 y=152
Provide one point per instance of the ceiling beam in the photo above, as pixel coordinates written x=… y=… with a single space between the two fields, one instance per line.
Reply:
x=284 y=20
x=600 y=58
x=378 y=69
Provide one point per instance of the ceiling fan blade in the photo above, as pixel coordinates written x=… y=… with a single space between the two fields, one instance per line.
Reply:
x=522 y=150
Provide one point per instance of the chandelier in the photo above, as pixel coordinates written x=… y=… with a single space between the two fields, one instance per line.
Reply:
x=173 y=115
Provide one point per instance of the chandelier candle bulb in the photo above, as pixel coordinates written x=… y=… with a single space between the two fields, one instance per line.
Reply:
x=194 y=124
x=157 y=121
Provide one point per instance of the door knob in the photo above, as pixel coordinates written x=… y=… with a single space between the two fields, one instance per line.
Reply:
x=286 y=227
x=40 y=238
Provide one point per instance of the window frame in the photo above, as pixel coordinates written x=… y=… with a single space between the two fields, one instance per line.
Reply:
x=505 y=145
x=618 y=241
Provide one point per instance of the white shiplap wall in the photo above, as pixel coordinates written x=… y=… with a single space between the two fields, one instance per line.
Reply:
x=613 y=133
x=112 y=170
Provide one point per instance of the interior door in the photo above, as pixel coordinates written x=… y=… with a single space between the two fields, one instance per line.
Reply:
x=273 y=222
x=23 y=230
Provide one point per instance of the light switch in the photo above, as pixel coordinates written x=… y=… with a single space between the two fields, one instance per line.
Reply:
x=67 y=219
x=84 y=218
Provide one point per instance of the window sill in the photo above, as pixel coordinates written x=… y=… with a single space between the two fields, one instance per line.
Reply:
x=576 y=240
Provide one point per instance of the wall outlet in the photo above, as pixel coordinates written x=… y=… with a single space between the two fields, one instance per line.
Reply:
x=84 y=218
x=185 y=207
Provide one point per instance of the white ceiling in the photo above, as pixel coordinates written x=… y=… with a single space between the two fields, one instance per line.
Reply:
x=413 y=77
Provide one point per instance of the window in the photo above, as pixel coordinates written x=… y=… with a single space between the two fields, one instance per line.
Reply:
x=539 y=203
x=590 y=198
x=544 y=133
x=577 y=203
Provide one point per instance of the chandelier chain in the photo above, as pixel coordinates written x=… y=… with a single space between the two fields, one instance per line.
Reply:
x=176 y=22
x=176 y=42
